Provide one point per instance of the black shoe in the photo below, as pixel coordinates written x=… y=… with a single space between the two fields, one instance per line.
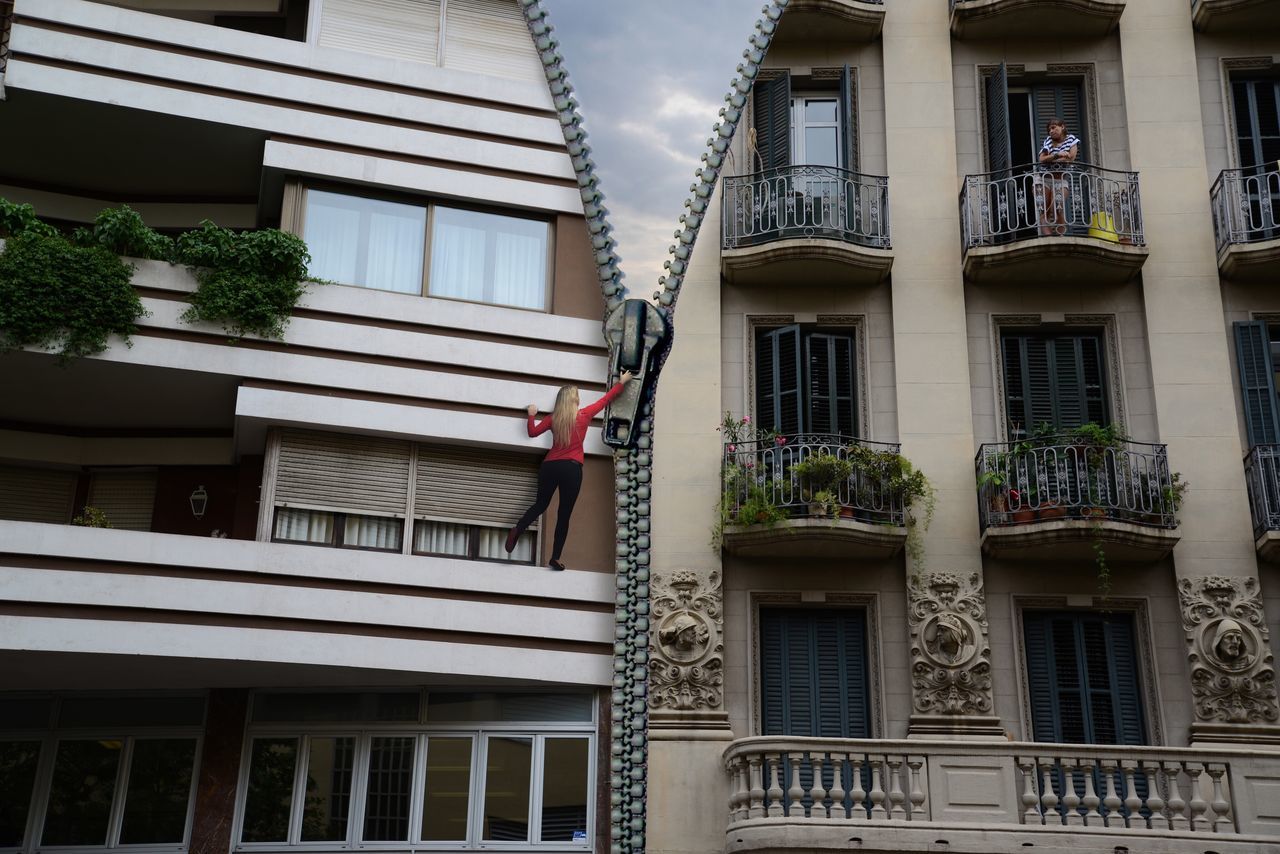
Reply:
x=512 y=539
x=556 y=565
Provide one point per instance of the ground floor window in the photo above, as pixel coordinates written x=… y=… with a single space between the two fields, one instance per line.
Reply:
x=813 y=672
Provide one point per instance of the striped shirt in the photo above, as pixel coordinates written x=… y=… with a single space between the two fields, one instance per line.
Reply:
x=1061 y=148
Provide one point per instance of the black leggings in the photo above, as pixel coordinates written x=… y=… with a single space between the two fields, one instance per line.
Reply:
x=566 y=476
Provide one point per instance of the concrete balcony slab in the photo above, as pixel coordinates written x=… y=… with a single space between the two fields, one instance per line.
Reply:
x=1073 y=259
x=997 y=19
x=1221 y=16
x=811 y=260
x=845 y=538
x=1249 y=262
x=1073 y=539
x=831 y=20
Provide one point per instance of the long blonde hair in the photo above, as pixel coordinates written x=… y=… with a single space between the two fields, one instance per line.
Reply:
x=564 y=415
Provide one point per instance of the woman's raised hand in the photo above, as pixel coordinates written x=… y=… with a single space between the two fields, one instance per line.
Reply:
x=625 y=377
x=532 y=409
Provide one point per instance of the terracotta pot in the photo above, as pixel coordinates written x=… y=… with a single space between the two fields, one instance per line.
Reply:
x=1022 y=517
x=847 y=512
x=1052 y=511
x=1093 y=512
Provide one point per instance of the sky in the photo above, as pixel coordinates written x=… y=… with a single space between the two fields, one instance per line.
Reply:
x=650 y=78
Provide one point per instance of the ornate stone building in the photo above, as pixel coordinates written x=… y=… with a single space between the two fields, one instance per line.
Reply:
x=1064 y=639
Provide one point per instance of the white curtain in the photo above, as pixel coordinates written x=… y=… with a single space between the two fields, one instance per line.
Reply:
x=372 y=532
x=441 y=538
x=366 y=242
x=489 y=258
x=519 y=270
x=457 y=259
x=304 y=526
x=493 y=545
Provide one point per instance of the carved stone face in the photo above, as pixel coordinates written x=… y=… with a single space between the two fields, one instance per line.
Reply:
x=948 y=639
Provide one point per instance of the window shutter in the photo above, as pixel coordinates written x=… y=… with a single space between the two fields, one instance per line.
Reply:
x=774 y=708
x=346 y=474
x=1095 y=387
x=1257 y=382
x=1068 y=381
x=779 y=376
x=404 y=29
x=36 y=495
x=1040 y=675
x=830 y=383
x=489 y=37
x=474 y=486
x=1055 y=380
x=127 y=499
x=1066 y=101
x=999 y=152
x=1038 y=386
x=1122 y=652
x=813 y=679
x=771 y=105
x=849 y=112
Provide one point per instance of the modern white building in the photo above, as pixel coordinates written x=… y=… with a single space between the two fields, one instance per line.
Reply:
x=301 y=630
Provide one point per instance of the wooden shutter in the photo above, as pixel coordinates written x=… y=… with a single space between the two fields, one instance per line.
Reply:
x=1082 y=672
x=813 y=677
x=1257 y=382
x=779 y=374
x=1257 y=113
x=36 y=495
x=489 y=37
x=1056 y=380
x=830 y=384
x=999 y=151
x=127 y=499
x=771 y=106
x=340 y=473
x=473 y=485
x=1065 y=100
x=849 y=119
x=404 y=29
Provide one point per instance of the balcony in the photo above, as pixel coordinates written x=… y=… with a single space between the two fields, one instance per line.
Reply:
x=1262 y=476
x=997 y=19
x=1054 y=497
x=812 y=224
x=832 y=20
x=793 y=793
x=1080 y=223
x=1246 y=222
x=1242 y=16
x=774 y=504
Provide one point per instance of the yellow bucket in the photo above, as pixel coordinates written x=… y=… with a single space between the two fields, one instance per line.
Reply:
x=1103 y=227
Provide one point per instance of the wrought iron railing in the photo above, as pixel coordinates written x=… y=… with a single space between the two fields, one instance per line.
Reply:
x=1246 y=205
x=1262 y=476
x=1063 y=200
x=1056 y=477
x=761 y=477
x=806 y=201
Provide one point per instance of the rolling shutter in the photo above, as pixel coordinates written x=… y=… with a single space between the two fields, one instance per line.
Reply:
x=127 y=499
x=829 y=361
x=813 y=678
x=489 y=37
x=347 y=474
x=404 y=29
x=1066 y=101
x=771 y=106
x=36 y=495
x=778 y=377
x=474 y=486
x=849 y=114
x=999 y=151
x=1257 y=382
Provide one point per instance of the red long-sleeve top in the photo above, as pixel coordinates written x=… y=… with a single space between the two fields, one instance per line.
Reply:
x=573 y=450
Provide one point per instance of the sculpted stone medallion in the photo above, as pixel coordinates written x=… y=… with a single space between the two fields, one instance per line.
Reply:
x=1232 y=677
x=950 y=657
x=686 y=670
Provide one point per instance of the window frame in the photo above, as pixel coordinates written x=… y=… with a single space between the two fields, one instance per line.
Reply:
x=1046 y=332
x=1084 y=73
x=296 y=221
x=49 y=738
x=479 y=731
x=339 y=528
x=855 y=325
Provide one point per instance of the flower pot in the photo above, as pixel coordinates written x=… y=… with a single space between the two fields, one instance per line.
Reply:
x=1097 y=513
x=1023 y=516
x=847 y=512
x=1052 y=511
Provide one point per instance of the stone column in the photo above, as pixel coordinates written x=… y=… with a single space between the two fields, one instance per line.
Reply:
x=931 y=356
x=1190 y=363
x=219 y=771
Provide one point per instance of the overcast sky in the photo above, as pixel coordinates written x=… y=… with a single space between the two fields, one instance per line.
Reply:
x=650 y=77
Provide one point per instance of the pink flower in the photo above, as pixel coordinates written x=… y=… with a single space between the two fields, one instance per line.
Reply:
x=746 y=419
x=780 y=440
x=750 y=464
x=1015 y=495
x=732 y=448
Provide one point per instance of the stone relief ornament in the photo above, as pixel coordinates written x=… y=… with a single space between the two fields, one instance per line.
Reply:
x=950 y=656
x=687 y=668
x=1232 y=677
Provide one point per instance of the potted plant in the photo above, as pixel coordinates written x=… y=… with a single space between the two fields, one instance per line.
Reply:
x=894 y=475
x=824 y=503
x=822 y=473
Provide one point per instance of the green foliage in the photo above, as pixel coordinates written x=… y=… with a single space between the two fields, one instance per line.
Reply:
x=121 y=231
x=91 y=517
x=249 y=281
x=17 y=219
x=897 y=476
x=822 y=472
x=57 y=295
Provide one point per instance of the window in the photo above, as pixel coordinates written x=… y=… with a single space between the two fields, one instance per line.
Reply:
x=805 y=129
x=1082 y=673
x=112 y=772
x=355 y=492
x=374 y=243
x=1054 y=378
x=475 y=769
x=1256 y=104
x=36 y=495
x=806 y=381
x=1257 y=346
x=813 y=672
x=1018 y=112
x=126 y=498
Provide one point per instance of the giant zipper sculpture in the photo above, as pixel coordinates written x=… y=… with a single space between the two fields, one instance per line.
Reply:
x=639 y=334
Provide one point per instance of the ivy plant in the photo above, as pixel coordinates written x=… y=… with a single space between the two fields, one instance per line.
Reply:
x=121 y=231
x=249 y=281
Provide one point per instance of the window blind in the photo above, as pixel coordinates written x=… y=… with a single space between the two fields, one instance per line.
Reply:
x=127 y=499
x=347 y=474
x=489 y=37
x=474 y=485
x=404 y=29
x=36 y=495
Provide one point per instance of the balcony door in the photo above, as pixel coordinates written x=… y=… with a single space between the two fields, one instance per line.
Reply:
x=813 y=672
x=1017 y=115
x=1256 y=104
x=1055 y=378
x=806 y=381
x=813 y=128
x=1257 y=343
x=1082 y=677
